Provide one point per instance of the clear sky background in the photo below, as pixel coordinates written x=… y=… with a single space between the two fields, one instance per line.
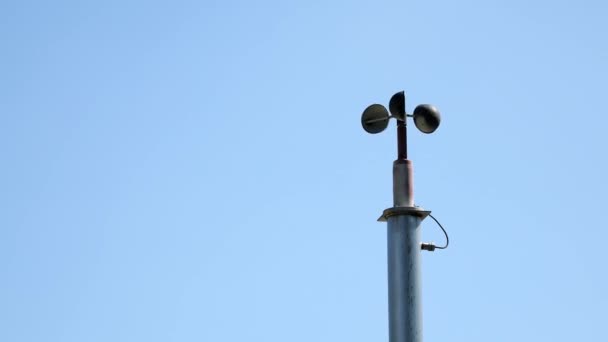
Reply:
x=196 y=170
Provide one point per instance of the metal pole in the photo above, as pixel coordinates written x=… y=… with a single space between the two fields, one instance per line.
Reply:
x=405 y=311
x=403 y=250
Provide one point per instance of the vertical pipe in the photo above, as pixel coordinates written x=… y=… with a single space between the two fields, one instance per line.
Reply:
x=405 y=311
x=403 y=183
x=403 y=251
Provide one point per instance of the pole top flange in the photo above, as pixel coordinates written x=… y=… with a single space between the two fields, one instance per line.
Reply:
x=411 y=211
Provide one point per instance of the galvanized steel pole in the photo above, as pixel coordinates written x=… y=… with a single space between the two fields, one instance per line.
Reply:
x=403 y=250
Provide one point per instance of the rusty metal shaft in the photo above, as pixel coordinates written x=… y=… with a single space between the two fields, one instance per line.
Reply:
x=401 y=140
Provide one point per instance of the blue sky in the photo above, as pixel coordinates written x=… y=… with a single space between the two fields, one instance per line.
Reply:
x=196 y=170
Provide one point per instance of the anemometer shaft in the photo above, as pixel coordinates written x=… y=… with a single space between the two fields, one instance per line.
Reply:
x=401 y=140
x=403 y=248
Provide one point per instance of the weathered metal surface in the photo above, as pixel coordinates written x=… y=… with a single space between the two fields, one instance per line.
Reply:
x=404 y=300
x=414 y=211
x=403 y=183
x=403 y=249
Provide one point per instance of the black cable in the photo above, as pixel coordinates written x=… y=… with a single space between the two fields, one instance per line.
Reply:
x=447 y=239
